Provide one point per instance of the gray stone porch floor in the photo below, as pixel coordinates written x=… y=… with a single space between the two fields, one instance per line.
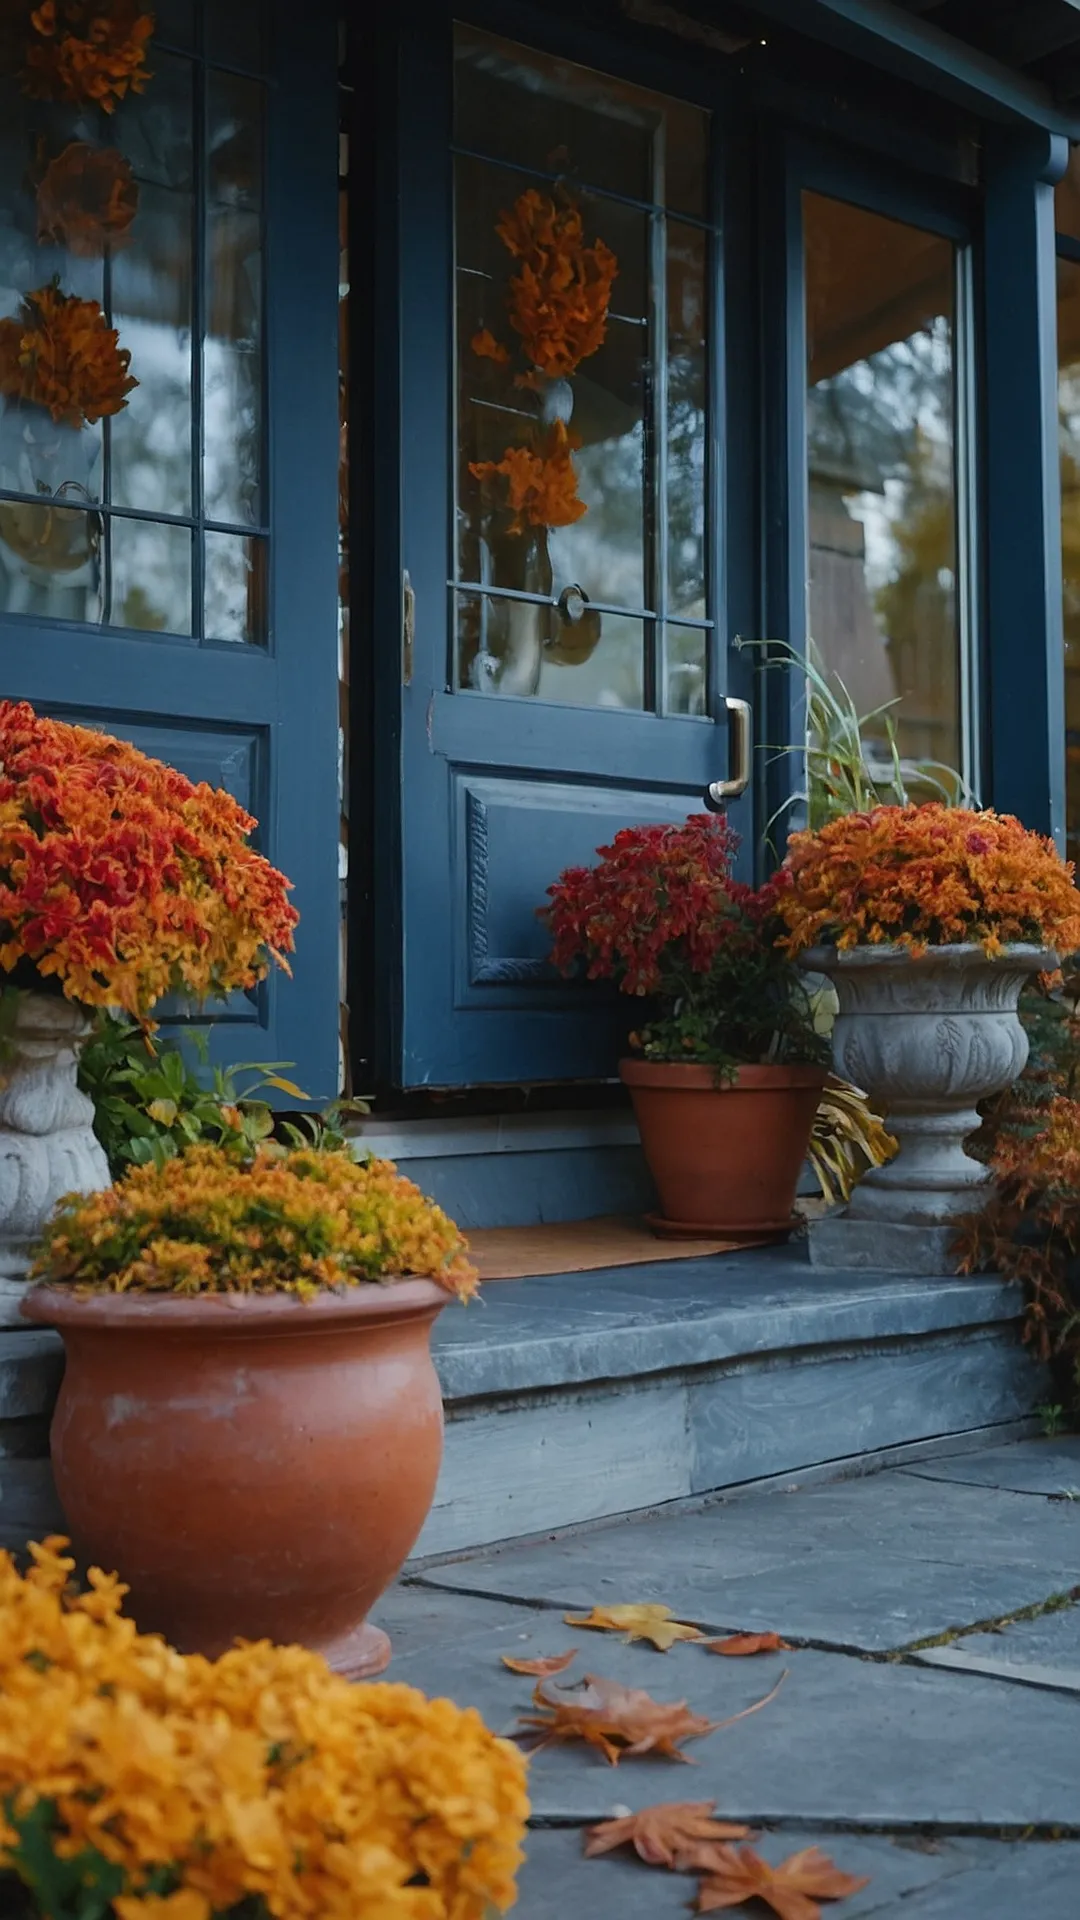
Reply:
x=948 y=1773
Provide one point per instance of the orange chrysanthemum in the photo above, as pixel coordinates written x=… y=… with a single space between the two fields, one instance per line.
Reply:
x=123 y=881
x=86 y=200
x=926 y=876
x=541 y=487
x=60 y=353
x=560 y=295
x=87 y=52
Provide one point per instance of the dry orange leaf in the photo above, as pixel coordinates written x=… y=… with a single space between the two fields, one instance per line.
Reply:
x=645 y=1622
x=619 y=1720
x=793 y=1889
x=540 y=1669
x=666 y=1835
x=740 y=1643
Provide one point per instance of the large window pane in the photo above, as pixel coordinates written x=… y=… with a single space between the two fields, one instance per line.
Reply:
x=581 y=391
x=884 y=608
x=131 y=246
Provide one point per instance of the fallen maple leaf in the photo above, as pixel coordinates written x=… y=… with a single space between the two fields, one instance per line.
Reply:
x=540 y=1669
x=664 y=1835
x=793 y=1889
x=619 y=1720
x=645 y=1622
x=740 y=1643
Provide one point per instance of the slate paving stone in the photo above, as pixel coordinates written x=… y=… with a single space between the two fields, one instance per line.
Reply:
x=558 y=1883
x=870 y=1564
x=1050 y=1466
x=416 y=1617
x=1033 y=1882
x=1053 y=1640
x=871 y=1743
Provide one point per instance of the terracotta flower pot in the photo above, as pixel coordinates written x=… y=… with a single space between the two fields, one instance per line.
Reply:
x=252 y=1465
x=725 y=1157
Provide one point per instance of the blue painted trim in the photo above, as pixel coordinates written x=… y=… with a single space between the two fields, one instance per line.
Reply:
x=914 y=49
x=785 y=546
x=1025 y=640
x=302 y=297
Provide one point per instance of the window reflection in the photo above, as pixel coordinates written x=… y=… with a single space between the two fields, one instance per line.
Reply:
x=146 y=225
x=581 y=388
x=882 y=490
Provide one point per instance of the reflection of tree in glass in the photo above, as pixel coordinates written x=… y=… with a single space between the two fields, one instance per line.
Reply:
x=882 y=432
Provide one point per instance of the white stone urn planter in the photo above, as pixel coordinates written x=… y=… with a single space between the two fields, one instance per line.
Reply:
x=47 y=1142
x=927 y=1038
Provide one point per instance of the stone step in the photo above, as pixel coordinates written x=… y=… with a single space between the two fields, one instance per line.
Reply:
x=576 y=1397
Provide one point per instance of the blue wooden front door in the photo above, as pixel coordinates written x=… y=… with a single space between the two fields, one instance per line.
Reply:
x=184 y=594
x=562 y=667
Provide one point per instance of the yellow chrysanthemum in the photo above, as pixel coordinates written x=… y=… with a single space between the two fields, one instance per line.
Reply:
x=203 y=1783
x=292 y=1222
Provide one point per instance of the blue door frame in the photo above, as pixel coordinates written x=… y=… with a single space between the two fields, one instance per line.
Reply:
x=454 y=1002
x=259 y=720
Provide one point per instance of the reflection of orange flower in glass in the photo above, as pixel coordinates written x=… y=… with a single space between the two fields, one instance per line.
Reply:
x=541 y=487
x=486 y=347
x=61 y=354
x=560 y=295
x=87 y=199
x=89 y=52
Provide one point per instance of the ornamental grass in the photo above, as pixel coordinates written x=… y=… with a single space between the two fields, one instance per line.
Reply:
x=288 y=1222
x=122 y=881
x=928 y=876
x=151 y=1785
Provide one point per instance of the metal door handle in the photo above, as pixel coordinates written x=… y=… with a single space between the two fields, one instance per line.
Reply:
x=719 y=792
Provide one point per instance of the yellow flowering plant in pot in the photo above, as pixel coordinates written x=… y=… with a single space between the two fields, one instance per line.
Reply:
x=250 y=1424
x=137 y=1783
x=928 y=919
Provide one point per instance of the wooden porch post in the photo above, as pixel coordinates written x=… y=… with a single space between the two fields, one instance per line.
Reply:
x=1025 y=659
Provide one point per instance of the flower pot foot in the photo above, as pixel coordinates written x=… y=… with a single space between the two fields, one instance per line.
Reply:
x=361 y=1654
x=737 y=1233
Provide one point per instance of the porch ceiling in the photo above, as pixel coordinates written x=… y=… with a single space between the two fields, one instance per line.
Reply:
x=1040 y=38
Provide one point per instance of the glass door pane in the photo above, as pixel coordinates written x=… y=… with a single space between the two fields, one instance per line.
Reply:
x=581 y=261
x=881 y=430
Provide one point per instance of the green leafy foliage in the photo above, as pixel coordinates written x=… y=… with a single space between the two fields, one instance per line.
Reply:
x=82 y=1887
x=750 y=1006
x=151 y=1099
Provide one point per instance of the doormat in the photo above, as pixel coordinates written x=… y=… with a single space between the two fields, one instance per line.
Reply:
x=578 y=1246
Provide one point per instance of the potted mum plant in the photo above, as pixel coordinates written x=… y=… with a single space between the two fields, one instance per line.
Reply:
x=142 y=1785
x=727 y=1071
x=120 y=881
x=928 y=919
x=250 y=1426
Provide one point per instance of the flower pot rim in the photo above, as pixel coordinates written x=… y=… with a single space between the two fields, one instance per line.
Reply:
x=235 y=1313
x=821 y=959
x=694 y=1075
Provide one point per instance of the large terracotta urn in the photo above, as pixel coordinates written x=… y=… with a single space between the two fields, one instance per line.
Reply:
x=47 y=1142
x=252 y=1465
x=927 y=1037
x=725 y=1155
